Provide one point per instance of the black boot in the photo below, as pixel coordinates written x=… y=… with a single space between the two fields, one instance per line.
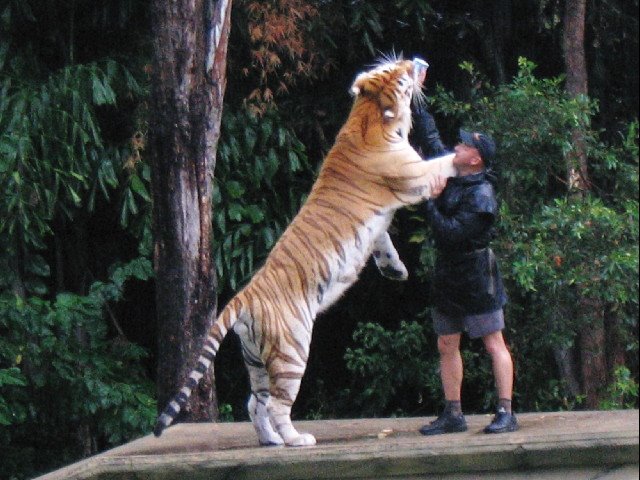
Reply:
x=503 y=422
x=445 y=423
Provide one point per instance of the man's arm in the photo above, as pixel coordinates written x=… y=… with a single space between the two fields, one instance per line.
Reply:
x=457 y=228
x=426 y=136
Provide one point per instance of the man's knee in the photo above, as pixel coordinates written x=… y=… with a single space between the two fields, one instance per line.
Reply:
x=448 y=344
x=494 y=343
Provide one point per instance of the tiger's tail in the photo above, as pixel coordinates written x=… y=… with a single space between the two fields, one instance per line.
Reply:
x=218 y=331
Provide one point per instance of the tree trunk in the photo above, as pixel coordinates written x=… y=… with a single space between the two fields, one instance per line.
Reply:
x=567 y=362
x=188 y=84
x=576 y=85
x=615 y=343
x=592 y=340
x=497 y=36
x=593 y=352
x=72 y=275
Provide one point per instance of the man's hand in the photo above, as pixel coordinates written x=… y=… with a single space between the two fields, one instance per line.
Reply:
x=422 y=75
x=437 y=184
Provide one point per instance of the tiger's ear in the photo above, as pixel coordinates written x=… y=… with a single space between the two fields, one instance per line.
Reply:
x=358 y=87
x=365 y=84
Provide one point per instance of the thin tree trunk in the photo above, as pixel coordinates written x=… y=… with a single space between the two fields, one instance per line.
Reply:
x=565 y=360
x=592 y=340
x=593 y=352
x=496 y=38
x=576 y=85
x=189 y=79
x=615 y=353
x=72 y=274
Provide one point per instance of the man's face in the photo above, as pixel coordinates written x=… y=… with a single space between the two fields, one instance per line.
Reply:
x=466 y=155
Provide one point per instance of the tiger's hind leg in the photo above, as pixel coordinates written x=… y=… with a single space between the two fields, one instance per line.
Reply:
x=283 y=393
x=286 y=364
x=387 y=259
x=259 y=380
x=258 y=411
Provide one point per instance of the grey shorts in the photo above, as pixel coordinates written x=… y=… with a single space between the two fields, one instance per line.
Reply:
x=475 y=326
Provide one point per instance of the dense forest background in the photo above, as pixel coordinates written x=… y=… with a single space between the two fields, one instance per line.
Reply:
x=78 y=336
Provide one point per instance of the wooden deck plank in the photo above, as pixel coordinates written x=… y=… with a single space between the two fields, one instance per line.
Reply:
x=372 y=448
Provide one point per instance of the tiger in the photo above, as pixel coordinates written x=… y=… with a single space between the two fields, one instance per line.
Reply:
x=369 y=173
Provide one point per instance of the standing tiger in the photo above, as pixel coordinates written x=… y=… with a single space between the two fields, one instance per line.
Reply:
x=370 y=172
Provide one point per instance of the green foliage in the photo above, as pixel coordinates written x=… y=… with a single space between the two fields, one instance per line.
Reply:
x=53 y=162
x=9 y=376
x=226 y=412
x=64 y=376
x=615 y=167
x=573 y=249
x=262 y=177
x=370 y=22
x=62 y=372
x=51 y=143
x=389 y=367
x=554 y=246
x=623 y=392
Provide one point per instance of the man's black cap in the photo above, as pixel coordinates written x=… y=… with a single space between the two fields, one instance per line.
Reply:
x=482 y=142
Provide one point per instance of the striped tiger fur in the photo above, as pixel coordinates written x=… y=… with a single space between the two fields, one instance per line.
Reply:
x=370 y=172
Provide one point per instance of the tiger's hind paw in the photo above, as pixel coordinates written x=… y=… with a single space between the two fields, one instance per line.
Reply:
x=271 y=443
x=269 y=438
x=302 y=440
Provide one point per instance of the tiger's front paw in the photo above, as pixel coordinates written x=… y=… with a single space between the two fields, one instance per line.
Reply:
x=392 y=272
x=390 y=265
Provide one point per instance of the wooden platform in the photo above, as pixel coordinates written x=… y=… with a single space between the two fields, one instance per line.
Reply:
x=565 y=445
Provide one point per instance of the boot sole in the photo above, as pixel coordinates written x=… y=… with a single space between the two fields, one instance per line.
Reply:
x=429 y=433
x=510 y=428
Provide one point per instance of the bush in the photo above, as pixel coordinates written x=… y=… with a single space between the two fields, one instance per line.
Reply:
x=389 y=367
x=64 y=379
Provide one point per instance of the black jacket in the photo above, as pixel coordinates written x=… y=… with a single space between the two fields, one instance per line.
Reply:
x=467 y=280
x=424 y=136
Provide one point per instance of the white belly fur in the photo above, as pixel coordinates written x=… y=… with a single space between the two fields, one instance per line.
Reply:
x=346 y=273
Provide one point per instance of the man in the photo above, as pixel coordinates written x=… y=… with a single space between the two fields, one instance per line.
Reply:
x=468 y=291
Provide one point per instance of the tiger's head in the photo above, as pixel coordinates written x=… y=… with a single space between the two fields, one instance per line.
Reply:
x=383 y=95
